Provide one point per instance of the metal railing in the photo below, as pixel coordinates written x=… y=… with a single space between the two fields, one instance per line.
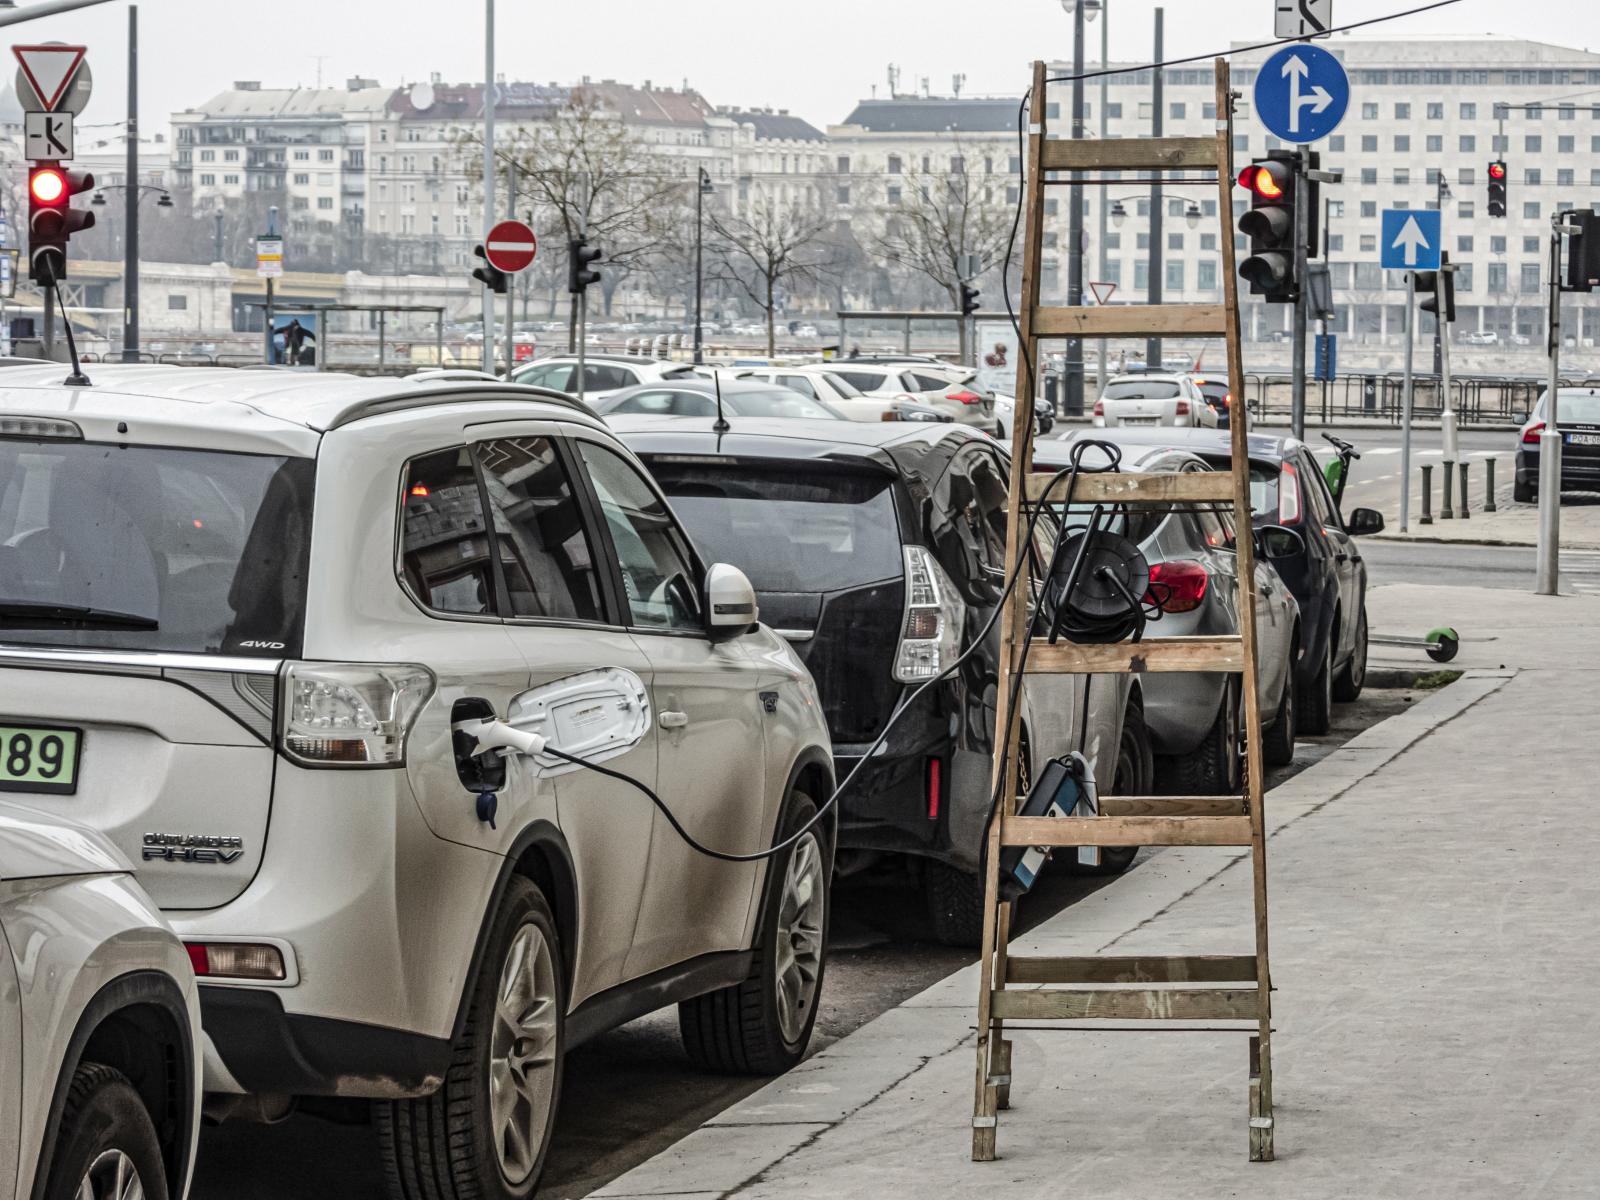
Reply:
x=1476 y=399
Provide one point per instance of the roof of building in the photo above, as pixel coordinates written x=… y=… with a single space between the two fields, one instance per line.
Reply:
x=648 y=105
x=915 y=114
x=774 y=126
x=256 y=103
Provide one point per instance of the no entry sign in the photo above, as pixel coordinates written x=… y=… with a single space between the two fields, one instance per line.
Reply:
x=510 y=247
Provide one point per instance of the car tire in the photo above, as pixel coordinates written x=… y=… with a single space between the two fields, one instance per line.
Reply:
x=955 y=903
x=762 y=1025
x=106 y=1136
x=1134 y=776
x=1315 y=701
x=1352 y=677
x=459 y=1143
x=1212 y=768
x=1277 y=742
x=1524 y=493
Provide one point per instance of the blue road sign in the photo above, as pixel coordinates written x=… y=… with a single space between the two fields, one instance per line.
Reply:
x=1411 y=239
x=1327 y=357
x=1302 y=94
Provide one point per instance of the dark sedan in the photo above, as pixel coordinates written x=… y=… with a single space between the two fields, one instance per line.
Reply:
x=1578 y=419
x=698 y=398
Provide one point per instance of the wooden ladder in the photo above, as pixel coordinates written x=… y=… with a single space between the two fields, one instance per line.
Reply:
x=1184 y=988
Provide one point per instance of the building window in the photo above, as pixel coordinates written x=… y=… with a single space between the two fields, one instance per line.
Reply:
x=208 y=181
x=1435 y=112
x=1568 y=112
x=1369 y=143
x=1497 y=277
x=1435 y=143
x=1566 y=144
x=1497 y=244
x=211 y=155
x=1531 y=177
x=1208 y=241
x=1500 y=143
x=302 y=155
x=1174 y=241
x=1336 y=243
x=1469 y=144
x=895 y=165
x=1141 y=275
x=1369 y=175
x=892 y=193
x=1533 y=143
x=1141 y=241
x=843 y=164
x=302 y=180
x=1178 y=110
x=324 y=155
x=227 y=179
x=1402 y=112
x=177 y=302
x=1402 y=176
x=1402 y=143
x=1464 y=277
x=1208 y=111
x=1530 y=245
x=1369 y=112
x=1469 y=112
x=958 y=165
x=1145 y=113
x=1564 y=177
x=1464 y=244
x=1530 y=277
x=1369 y=243
x=1335 y=208
x=1241 y=143
x=1113 y=240
x=1114 y=112
x=1174 y=277
x=1207 y=281
x=1530 y=210
x=230 y=156
x=1369 y=210
x=842 y=193
x=299 y=203
x=326 y=202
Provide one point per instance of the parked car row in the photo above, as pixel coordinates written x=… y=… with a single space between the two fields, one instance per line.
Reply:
x=303 y=652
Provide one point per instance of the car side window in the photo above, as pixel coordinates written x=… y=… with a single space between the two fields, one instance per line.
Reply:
x=799 y=383
x=866 y=381
x=658 y=576
x=929 y=383
x=545 y=556
x=557 y=376
x=1323 y=498
x=445 y=536
x=601 y=377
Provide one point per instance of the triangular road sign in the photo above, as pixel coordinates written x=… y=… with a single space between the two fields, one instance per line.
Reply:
x=1102 y=291
x=49 y=69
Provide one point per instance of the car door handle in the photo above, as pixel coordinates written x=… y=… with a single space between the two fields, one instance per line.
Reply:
x=1341 y=558
x=673 y=720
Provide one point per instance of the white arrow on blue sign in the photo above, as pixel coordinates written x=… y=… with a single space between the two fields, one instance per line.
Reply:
x=1302 y=93
x=1411 y=239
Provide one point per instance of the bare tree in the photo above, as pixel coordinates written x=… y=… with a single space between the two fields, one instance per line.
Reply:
x=928 y=220
x=771 y=246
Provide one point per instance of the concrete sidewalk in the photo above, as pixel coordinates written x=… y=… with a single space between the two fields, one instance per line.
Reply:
x=1433 y=892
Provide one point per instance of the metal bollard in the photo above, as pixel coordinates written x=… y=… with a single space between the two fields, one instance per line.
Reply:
x=1427 y=495
x=1465 y=508
x=1488 y=494
x=1445 y=512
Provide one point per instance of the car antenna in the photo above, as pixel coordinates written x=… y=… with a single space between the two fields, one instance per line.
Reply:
x=77 y=378
x=720 y=425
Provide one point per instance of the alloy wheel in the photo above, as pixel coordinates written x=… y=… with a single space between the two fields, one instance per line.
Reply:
x=522 y=1053
x=111 y=1176
x=801 y=912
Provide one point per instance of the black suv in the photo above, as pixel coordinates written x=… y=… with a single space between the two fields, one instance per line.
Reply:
x=878 y=550
x=1328 y=576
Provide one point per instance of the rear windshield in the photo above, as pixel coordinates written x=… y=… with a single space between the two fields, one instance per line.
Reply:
x=1263 y=491
x=817 y=532
x=779 y=402
x=1577 y=408
x=148 y=548
x=1155 y=389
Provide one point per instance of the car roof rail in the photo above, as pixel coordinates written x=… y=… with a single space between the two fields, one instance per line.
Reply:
x=459 y=394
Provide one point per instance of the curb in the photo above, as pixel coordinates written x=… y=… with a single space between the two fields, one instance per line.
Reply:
x=1403 y=538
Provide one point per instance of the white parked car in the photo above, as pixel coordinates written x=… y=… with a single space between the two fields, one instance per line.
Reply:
x=99 y=1058
x=286 y=626
x=1153 y=399
x=834 y=389
x=950 y=389
x=602 y=373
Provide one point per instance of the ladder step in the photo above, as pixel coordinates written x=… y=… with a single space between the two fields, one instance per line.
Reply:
x=1125 y=831
x=1156 y=154
x=1129 y=320
x=1222 y=654
x=1172 y=806
x=1134 y=968
x=1131 y=1004
x=1191 y=487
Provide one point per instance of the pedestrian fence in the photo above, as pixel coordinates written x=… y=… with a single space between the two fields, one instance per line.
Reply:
x=1476 y=399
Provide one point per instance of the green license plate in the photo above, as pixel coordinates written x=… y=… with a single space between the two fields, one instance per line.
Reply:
x=39 y=758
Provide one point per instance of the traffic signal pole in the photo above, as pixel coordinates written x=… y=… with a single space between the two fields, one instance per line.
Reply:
x=131 y=196
x=488 y=173
x=1547 y=559
x=1302 y=236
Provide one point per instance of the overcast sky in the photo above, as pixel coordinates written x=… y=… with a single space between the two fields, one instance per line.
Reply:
x=814 y=57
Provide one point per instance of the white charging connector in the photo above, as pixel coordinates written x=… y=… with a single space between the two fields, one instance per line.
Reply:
x=492 y=734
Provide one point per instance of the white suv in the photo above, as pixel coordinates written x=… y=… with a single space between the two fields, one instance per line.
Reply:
x=275 y=621
x=602 y=373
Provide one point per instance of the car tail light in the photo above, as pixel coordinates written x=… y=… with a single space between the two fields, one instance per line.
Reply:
x=1530 y=436
x=965 y=397
x=1289 y=495
x=931 y=638
x=934 y=771
x=1099 y=408
x=1177 y=586
x=1227 y=401
x=236 y=960
x=351 y=714
x=1183 y=408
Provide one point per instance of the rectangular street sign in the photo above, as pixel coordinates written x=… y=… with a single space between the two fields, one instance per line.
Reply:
x=47 y=136
x=1410 y=241
x=269 y=257
x=1327 y=357
x=1302 y=18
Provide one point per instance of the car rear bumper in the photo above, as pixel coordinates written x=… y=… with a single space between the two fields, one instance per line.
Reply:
x=1577 y=474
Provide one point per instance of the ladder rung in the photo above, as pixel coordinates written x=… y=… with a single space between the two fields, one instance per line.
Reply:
x=1134 y=968
x=1129 y=320
x=1223 y=654
x=1172 y=806
x=1190 y=487
x=1158 y=154
x=1131 y=1004
x=1125 y=831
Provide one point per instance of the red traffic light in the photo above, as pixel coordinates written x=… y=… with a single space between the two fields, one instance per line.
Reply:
x=1263 y=180
x=1497 y=170
x=48 y=185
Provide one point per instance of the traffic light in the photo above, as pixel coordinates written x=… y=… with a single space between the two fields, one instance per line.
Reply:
x=52 y=220
x=579 y=255
x=1437 y=286
x=1583 y=251
x=1270 y=226
x=969 y=299
x=489 y=275
x=1497 y=188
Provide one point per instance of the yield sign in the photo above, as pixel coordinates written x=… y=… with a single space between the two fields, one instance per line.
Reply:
x=1102 y=291
x=49 y=69
x=510 y=247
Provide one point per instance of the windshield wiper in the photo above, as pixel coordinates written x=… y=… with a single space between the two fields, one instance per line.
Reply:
x=35 y=614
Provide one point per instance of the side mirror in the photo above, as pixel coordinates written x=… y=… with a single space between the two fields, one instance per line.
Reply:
x=1364 y=520
x=1277 y=541
x=730 y=601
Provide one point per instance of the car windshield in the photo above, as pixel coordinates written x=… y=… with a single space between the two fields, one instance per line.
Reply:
x=1263 y=491
x=151 y=548
x=779 y=402
x=843 y=386
x=816 y=531
x=1142 y=389
x=1576 y=407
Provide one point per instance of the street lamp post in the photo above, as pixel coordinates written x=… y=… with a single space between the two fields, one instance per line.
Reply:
x=1092 y=7
x=1078 y=10
x=701 y=191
